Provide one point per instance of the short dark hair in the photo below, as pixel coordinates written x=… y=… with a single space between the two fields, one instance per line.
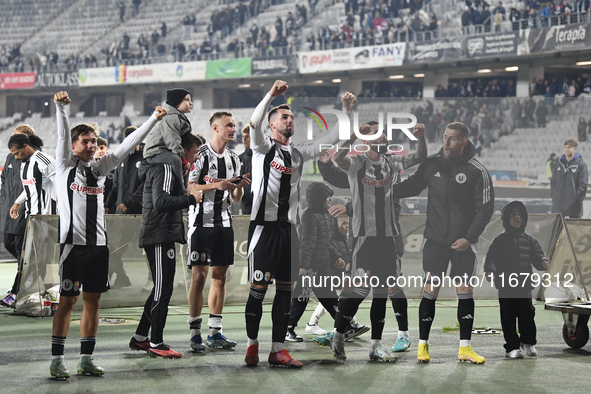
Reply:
x=190 y=139
x=100 y=141
x=201 y=138
x=246 y=129
x=81 y=129
x=372 y=122
x=277 y=108
x=462 y=128
x=19 y=141
x=219 y=114
x=128 y=130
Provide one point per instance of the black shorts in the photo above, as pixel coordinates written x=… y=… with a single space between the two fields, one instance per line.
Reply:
x=213 y=246
x=436 y=258
x=273 y=252
x=85 y=267
x=376 y=256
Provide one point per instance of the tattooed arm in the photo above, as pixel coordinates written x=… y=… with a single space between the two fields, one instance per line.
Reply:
x=421 y=154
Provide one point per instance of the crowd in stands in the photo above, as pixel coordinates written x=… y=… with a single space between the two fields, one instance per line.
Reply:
x=542 y=13
x=377 y=22
x=569 y=86
x=368 y=22
x=398 y=90
x=528 y=113
x=10 y=55
x=532 y=14
x=479 y=114
x=478 y=87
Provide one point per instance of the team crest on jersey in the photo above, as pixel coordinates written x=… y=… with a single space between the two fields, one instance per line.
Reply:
x=76 y=286
x=110 y=175
x=267 y=276
x=461 y=178
x=137 y=164
x=194 y=256
x=170 y=253
x=258 y=275
x=359 y=272
x=96 y=173
x=67 y=285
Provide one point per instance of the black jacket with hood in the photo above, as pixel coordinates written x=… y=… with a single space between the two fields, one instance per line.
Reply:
x=569 y=186
x=460 y=199
x=127 y=188
x=163 y=201
x=316 y=251
x=514 y=252
x=12 y=187
x=342 y=246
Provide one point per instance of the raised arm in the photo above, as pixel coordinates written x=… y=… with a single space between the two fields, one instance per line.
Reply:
x=331 y=173
x=311 y=150
x=341 y=157
x=421 y=154
x=112 y=159
x=349 y=101
x=414 y=185
x=257 y=119
x=63 y=151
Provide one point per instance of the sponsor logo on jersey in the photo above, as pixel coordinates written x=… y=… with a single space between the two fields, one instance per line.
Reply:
x=31 y=181
x=377 y=183
x=209 y=179
x=93 y=191
x=281 y=168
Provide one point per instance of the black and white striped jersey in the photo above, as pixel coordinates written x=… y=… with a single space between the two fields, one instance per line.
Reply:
x=212 y=167
x=80 y=185
x=38 y=176
x=277 y=170
x=371 y=183
x=276 y=177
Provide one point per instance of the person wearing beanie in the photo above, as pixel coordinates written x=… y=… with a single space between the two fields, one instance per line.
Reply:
x=163 y=144
x=317 y=257
x=511 y=255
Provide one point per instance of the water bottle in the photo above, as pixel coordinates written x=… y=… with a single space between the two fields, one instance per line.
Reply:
x=46 y=311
